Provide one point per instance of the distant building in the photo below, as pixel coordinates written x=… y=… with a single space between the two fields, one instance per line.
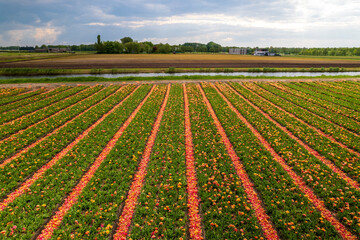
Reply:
x=59 y=50
x=40 y=50
x=261 y=52
x=238 y=51
x=52 y=50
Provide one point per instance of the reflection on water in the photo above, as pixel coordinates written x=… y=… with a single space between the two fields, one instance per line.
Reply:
x=247 y=74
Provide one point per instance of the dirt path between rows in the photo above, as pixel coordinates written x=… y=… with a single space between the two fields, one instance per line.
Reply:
x=108 y=83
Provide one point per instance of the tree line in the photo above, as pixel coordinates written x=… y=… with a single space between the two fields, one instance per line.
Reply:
x=128 y=45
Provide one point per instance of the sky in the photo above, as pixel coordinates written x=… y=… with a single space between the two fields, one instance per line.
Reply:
x=242 y=23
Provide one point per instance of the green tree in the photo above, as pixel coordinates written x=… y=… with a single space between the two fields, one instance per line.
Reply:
x=99 y=46
x=132 y=47
x=125 y=40
x=213 y=47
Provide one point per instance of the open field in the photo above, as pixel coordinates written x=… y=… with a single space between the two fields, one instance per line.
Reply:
x=8 y=57
x=155 y=61
x=209 y=160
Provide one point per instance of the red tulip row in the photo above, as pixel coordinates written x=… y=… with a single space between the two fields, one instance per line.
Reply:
x=97 y=211
x=325 y=95
x=27 y=163
x=36 y=132
x=162 y=206
x=23 y=111
x=287 y=200
x=324 y=127
x=351 y=85
x=63 y=100
x=18 y=94
x=260 y=213
x=332 y=131
x=333 y=183
x=139 y=177
x=306 y=105
x=56 y=219
x=209 y=161
x=193 y=200
x=7 y=92
x=347 y=95
x=226 y=211
x=317 y=100
x=20 y=103
x=58 y=177
x=342 y=158
x=342 y=87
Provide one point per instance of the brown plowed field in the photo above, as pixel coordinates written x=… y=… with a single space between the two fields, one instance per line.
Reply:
x=179 y=61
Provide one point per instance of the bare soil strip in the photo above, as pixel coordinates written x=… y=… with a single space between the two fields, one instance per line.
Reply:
x=109 y=61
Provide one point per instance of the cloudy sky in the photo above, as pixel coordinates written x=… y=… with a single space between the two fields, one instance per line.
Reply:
x=263 y=23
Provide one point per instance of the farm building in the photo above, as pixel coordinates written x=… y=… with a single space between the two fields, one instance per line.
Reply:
x=238 y=51
x=59 y=50
x=262 y=52
x=52 y=50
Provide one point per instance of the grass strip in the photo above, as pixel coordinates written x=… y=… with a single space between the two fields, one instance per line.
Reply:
x=186 y=77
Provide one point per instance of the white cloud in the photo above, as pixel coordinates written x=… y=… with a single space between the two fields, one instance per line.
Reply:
x=157 y=7
x=297 y=25
x=29 y=35
x=233 y=22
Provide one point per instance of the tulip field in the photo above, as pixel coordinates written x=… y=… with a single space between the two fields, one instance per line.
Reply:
x=210 y=160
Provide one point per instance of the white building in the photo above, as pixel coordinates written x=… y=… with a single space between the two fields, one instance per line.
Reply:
x=238 y=51
x=262 y=52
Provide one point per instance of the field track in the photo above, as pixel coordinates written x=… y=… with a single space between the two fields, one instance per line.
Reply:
x=181 y=160
x=103 y=61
